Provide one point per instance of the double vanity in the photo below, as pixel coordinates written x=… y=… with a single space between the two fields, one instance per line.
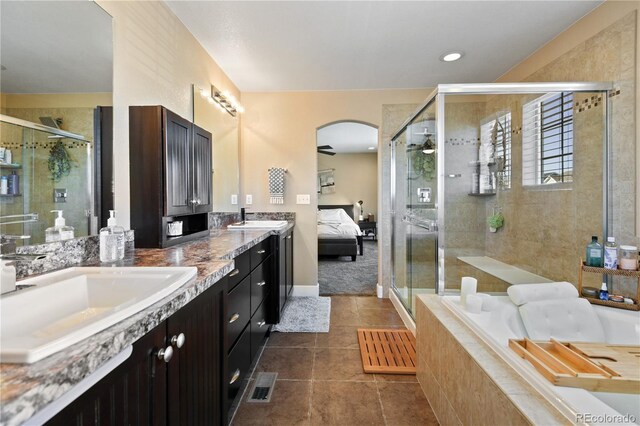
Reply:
x=165 y=336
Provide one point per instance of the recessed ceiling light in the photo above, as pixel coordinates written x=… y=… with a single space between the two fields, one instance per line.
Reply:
x=372 y=148
x=451 y=56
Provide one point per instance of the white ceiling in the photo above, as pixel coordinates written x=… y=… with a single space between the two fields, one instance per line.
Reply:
x=348 y=137
x=55 y=47
x=342 y=45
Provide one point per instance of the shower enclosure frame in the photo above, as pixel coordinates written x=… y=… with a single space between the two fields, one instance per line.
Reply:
x=438 y=96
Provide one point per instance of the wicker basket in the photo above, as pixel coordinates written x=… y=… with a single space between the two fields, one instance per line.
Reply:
x=604 y=271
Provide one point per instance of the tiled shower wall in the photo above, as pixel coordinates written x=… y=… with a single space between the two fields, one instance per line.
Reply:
x=39 y=197
x=608 y=56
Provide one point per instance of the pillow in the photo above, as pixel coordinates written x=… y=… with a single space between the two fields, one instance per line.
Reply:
x=572 y=320
x=333 y=216
x=525 y=293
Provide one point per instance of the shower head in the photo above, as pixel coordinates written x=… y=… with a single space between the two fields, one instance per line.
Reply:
x=48 y=121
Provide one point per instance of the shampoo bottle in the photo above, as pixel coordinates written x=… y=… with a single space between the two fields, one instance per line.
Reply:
x=594 y=253
x=611 y=254
x=111 y=240
x=60 y=231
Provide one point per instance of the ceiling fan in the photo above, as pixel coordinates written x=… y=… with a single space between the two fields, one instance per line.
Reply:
x=323 y=149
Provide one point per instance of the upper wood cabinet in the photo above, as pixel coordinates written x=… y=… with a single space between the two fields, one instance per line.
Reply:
x=170 y=175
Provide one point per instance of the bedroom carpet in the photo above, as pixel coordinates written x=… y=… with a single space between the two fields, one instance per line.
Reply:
x=339 y=275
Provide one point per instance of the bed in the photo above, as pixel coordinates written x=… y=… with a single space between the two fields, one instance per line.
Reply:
x=338 y=234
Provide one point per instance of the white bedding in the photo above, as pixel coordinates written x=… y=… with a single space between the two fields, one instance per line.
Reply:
x=336 y=223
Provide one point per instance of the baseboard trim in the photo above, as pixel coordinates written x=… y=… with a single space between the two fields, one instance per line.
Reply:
x=306 y=290
x=379 y=291
x=404 y=315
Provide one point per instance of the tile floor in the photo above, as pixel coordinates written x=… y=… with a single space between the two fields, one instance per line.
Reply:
x=320 y=378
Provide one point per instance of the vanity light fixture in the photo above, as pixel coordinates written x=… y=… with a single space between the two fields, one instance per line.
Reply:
x=451 y=56
x=224 y=101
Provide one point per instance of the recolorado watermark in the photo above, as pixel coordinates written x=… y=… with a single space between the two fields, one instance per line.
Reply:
x=605 y=418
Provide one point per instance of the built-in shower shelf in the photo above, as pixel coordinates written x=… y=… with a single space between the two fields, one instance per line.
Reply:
x=10 y=195
x=485 y=194
x=10 y=166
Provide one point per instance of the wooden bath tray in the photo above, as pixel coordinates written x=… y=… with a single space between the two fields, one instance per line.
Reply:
x=592 y=366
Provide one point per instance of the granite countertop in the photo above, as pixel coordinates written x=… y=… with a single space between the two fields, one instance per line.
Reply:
x=25 y=389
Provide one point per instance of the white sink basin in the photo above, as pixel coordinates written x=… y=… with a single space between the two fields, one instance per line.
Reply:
x=259 y=224
x=70 y=305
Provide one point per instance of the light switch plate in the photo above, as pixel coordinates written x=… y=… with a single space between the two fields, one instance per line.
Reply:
x=249 y=199
x=303 y=199
x=234 y=199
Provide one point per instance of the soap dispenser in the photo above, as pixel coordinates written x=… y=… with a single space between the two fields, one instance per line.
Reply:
x=60 y=231
x=112 y=240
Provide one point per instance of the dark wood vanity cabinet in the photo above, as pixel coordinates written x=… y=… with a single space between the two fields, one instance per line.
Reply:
x=284 y=274
x=170 y=176
x=133 y=393
x=214 y=340
x=150 y=390
x=195 y=372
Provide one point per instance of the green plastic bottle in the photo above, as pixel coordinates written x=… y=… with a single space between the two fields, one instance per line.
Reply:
x=594 y=253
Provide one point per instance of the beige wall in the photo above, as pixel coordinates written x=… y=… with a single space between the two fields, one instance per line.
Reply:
x=600 y=19
x=356 y=177
x=279 y=129
x=55 y=100
x=155 y=62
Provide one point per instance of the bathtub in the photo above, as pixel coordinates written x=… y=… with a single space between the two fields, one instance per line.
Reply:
x=495 y=328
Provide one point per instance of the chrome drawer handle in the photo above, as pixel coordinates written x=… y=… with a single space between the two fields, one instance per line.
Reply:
x=165 y=354
x=261 y=251
x=289 y=237
x=261 y=323
x=234 y=272
x=178 y=340
x=236 y=375
x=234 y=318
x=261 y=283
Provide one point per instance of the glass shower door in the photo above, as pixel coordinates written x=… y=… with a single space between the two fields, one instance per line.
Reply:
x=414 y=168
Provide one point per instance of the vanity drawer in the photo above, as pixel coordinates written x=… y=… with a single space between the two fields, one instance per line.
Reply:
x=260 y=284
x=242 y=268
x=260 y=252
x=239 y=361
x=238 y=310
x=259 y=328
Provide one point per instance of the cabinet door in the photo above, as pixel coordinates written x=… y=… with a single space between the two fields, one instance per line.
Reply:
x=177 y=150
x=201 y=170
x=132 y=394
x=289 y=269
x=282 y=275
x=194 y=386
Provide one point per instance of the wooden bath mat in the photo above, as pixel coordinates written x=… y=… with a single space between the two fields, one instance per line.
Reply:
x=388 y=351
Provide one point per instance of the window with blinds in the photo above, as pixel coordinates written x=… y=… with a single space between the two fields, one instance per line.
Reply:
x=547 y=143
x=501 y=152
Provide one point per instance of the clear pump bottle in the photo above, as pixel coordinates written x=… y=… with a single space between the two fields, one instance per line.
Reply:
x=59 y=231
x=111 y=240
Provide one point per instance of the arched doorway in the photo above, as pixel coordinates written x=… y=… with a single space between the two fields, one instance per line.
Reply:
x=347 y=189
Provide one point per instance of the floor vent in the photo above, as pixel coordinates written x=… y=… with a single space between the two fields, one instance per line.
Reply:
x=263 y=387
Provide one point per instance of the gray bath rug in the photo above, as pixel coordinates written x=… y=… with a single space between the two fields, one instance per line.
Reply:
x=305 y=315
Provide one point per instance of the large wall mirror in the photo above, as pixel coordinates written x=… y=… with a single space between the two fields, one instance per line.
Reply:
x=224 y=129
x=56 y=96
